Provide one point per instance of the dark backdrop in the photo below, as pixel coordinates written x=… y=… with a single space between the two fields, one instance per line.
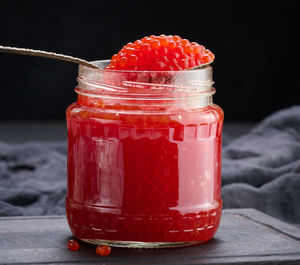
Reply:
x=256 y=45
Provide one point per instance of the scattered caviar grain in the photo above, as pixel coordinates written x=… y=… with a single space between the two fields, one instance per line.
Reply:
x=73 y=245
x=103 y=250
x=160 y=53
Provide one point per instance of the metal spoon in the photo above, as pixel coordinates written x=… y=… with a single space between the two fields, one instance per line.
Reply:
x=52 y=55
x=62 y=57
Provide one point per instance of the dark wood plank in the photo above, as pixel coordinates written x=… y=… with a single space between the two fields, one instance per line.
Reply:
x=245 y=236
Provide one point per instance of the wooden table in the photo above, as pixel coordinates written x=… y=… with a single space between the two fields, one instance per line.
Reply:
x=245 y=236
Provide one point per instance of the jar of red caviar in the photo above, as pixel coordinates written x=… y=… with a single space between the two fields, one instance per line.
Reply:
x=144 y=158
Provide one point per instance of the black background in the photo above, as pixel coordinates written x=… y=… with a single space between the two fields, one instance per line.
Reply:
x=256 y=44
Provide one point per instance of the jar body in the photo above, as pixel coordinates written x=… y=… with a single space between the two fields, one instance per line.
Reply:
x=146 y=178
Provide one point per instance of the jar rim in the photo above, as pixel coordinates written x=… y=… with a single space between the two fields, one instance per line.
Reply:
x=140 y=85
x=190 y=78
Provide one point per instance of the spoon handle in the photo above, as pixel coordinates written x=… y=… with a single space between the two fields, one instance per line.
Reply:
x=52 y=55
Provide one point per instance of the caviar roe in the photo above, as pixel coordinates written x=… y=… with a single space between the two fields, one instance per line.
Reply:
x=160 y=53
x=103 y=250
x=144 y=148
x=73 y=245
x=147 y=178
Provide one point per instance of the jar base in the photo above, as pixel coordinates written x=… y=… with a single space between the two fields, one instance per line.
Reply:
x=139 y=244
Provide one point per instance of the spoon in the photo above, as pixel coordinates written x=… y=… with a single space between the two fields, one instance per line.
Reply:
x=62 y=57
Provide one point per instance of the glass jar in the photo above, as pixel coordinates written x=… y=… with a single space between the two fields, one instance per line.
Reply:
x=144 y=158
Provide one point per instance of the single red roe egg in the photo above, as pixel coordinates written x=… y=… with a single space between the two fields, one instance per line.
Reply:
x=160 y=53
x=73 y=245
x=103 y=250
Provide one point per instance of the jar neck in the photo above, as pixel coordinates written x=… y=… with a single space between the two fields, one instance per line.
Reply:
x=144 y=90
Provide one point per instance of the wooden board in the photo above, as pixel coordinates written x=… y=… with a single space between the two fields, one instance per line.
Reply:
x=245 y=236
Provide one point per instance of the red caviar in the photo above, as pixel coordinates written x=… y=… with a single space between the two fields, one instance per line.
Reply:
x=160 y=53
x=144 y=152
x=152 y=178
x=103 y=250
x=73 y=245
